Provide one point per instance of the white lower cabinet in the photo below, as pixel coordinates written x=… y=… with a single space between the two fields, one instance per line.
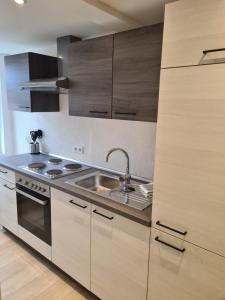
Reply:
x=8 y=206
x=119 y=257
x=7 y=174
x=71 y=229
x=189 y=274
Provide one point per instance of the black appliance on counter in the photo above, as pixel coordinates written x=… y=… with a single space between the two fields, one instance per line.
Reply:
x=34 y=207
x=34 y=145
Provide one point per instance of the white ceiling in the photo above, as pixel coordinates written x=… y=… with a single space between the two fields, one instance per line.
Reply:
x=38 y=23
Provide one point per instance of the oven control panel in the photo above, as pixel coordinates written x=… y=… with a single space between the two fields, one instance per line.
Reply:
x=33 y=185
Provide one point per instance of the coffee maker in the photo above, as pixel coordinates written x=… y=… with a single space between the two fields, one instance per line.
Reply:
x=34 y=145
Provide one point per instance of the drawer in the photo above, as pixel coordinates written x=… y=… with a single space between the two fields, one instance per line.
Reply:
x=35 y=242
x=69 y=199
x=7 y=174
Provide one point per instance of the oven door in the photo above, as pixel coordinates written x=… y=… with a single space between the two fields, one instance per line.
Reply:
x=34 y=213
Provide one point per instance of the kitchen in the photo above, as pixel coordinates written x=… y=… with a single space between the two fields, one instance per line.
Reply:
x=112 y=153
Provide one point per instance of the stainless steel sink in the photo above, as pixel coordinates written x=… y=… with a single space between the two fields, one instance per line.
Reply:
x=105 y=184
x=99 y=183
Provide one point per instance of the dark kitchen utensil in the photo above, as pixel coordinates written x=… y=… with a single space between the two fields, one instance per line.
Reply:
x=34 y=146
x=36 y=134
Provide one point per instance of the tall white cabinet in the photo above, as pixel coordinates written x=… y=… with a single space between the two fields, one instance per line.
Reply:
x=187 y=249
x=193 y=33
x=189 y=192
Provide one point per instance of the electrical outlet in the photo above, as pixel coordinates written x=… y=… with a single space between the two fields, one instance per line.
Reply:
x=78 y=149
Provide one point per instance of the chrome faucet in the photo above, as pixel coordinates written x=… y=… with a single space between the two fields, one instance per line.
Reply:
x=127 y=177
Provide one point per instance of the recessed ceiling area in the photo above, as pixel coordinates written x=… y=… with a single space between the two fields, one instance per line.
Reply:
x=38 y=23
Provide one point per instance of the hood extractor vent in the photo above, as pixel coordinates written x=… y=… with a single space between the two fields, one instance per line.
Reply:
x=46 y=84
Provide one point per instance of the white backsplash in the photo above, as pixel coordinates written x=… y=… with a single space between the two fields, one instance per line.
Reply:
x=97 y=136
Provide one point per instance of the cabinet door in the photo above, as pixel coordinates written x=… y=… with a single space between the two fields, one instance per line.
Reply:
x=190 y=155
x=194 y=274
x=28 y=66
x=136 y=70
x=71 y=221
x=191 y=27
x=17 y=70
x=90 y=74
x=119 y=257
x=8 y=206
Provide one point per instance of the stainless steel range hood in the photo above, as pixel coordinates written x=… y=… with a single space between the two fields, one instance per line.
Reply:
x=46 y=84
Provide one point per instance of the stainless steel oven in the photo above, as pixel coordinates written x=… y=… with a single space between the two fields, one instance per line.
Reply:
x=34 y=207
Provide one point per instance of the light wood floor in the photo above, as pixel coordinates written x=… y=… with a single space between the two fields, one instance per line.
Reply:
x=24 y=275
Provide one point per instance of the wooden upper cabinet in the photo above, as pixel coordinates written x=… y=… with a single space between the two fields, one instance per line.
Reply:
x=192 y=27
x=195 y=274
x=136 y=73
x=90 y=75
x=189 y=189
x=17 y=70
x=28 y=66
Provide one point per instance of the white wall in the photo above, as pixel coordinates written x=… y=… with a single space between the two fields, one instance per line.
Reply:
x=97 y=136
x=62 y=131
x=6 y=144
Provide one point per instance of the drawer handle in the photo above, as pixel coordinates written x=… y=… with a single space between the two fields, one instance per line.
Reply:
x=170 y=228
x=8 y=187
x=125 y=113
x=79 y=205
x=169 y=245
x=3 y=172
x=213 y=50
x=104 y=216
x=98 y=112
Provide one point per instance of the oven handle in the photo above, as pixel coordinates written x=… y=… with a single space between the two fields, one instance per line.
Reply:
x=32 y=197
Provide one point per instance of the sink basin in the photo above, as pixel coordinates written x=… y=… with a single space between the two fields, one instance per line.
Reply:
x=99 y=183
x=109 y=186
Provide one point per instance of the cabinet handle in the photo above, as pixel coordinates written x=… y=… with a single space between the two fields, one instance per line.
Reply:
x=125 y=113
x=3 y=172
x=98 y=112
x=24 y=107
x=8 y=187
x=79 y=205
x=213 y=50
x=104 y=216
x=170 y=228
x=169 y=245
